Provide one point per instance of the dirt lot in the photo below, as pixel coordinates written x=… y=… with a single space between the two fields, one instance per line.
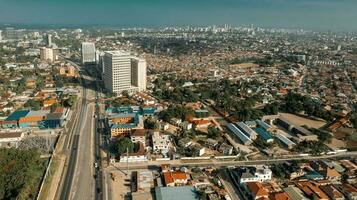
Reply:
x=303 y=121
x=244 y=65
x=119 y=189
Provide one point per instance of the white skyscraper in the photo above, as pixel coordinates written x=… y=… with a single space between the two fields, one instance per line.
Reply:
x=88 y=52
x=123 y=72
x=138 y=73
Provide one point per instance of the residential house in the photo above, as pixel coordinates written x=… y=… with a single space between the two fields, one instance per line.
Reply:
x=332 y=192
x=257 y=191
x=161 y=142
x=225 y=149
x=175 y=178
x=138 y=135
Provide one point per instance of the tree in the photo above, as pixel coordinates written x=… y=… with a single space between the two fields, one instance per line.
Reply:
x=151 y=123
x=213 y=132
x=35 y=105
x=20 y=173
x=123 y=145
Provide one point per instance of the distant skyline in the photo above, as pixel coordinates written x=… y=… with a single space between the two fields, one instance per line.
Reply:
x=317 y=15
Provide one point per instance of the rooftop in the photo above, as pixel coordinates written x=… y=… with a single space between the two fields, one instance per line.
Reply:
x=175 y=193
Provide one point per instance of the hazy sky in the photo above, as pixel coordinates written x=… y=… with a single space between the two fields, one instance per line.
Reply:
x=336 y=15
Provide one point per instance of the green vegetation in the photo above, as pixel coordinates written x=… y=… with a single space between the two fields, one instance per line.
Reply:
x=322 y=135
x=69 y=102
x=278 y=170
x=121 y=146
x=151 y=123
x=176 y=111
x=34 y=105
x=20 y=173
x=312 y=147
x=117 y=102
x=213 y=132
x=295 y=103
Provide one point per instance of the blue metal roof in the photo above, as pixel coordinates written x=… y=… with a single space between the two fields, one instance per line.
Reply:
x=263 y=134
x=15 y=116
x=263 y=124
x=241 y=136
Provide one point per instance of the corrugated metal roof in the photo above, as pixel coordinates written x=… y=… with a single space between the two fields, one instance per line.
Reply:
x=17 y=115
x=263 y=134
x=245 y=129
x=263 y=124
x=285 y=140
x=241 y=136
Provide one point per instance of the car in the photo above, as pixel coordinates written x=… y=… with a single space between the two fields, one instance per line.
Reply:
x=96 y=165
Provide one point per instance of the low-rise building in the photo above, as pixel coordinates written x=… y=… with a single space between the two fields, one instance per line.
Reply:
x=257 y=190
x=295 y=193
x=253 y=174
x=175 y=178
x=11 y=139
x=332 y=192
x=138 y=135
x=225 y=149
x=138 y=156
x=175 y=193
x=247 y=130
x=239 y=134
x=286 y=141
x=161 y=142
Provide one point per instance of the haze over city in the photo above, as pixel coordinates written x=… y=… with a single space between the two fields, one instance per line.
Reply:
x=317 y=15
x=178 y=100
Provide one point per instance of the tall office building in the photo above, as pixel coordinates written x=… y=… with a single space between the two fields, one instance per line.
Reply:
x=0 y=35
x=138 y=73
x=123 y=72
x=49 y=40
x=88 y=53
x=47 y=54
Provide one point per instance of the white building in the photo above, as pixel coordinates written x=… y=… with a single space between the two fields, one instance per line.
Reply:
x=160 y=142
x=47 y=54
x=117 y=71
x=257 y=174
x=122 y=72
x=88 y=52
x=11 y=139
x=138 y=73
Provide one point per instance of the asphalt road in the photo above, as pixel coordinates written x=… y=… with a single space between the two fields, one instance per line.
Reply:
x=78 y=175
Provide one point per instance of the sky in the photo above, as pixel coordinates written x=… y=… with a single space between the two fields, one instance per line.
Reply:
x=319 y=15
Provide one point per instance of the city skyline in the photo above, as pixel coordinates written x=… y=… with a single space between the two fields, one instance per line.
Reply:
x=317 y=15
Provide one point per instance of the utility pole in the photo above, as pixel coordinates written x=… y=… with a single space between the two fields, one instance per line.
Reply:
x=127 y=162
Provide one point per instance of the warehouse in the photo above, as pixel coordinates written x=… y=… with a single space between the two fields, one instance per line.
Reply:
x=286 y=141
x=239 y=134
x=264 y=135
x=246 y=130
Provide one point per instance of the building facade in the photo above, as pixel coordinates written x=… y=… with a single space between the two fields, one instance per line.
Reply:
x=88 y=52
x=122 y=72
x=47 y=54
x=138 y=73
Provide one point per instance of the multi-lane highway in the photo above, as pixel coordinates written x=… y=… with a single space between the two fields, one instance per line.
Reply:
x=81 y=178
